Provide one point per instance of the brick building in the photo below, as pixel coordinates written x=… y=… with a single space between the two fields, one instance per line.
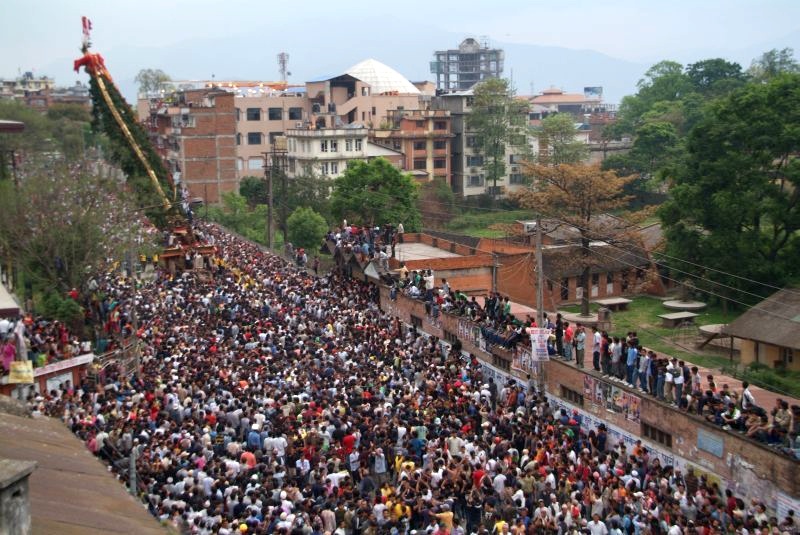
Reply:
x=424 y=138
x=196 y=136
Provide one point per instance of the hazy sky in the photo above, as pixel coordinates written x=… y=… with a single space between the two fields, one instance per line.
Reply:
x=33 y=33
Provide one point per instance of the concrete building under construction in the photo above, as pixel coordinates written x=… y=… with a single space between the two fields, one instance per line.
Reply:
x=461 y=68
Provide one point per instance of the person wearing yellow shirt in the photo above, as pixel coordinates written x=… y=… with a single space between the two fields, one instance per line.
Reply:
x=445 y=516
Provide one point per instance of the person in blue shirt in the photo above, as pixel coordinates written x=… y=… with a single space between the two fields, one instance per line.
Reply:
x=633 y=354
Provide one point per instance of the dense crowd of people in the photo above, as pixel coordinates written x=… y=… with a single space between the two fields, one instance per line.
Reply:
x=619 y=359
x=273 y=401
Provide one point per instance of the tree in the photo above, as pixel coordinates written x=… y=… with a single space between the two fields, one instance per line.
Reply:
x=499 y=121
x=306 y=189
x=557 y=141
x=715 y=76
x=376 y=192
x=735 y=206
x=306 y=228
x=254 y=189
x=577 y=194
x=235 y=214
x=65 y=220
x=773 y=63
x=151 y=80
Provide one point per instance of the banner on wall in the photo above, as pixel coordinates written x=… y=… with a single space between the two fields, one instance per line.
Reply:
x=21 y=372
x=539 y=344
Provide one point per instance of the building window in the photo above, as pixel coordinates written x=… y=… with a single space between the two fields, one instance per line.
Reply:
x=334 y=145
x=501 y=363
x=419 y=145
x=358 y=144
x=564 y=289
x=440 y=125
x=516 y=178
x=238 y=114
x=440 y=145
x=439 y=163
x=475 y=181
x=472 y=141
x=324 y=167
x=419 y=164
x=295 y=114
x=238 y=139
x=656 y=435
x=275 y=114
x=572 y=396
x=253 y=114
x=474 y=161
x=515 y=158
x=254 y=138
x=255 y=163
x=419 y=124
x=348 y=145
x=373 y=111
x=239 y=164
x=450 y=337
x=323 y=145
x=334 y=168
x=787 y=355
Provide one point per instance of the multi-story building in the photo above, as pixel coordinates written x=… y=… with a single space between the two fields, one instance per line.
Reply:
x=33 y=91
x=196 y=136
x=326 y=152
x=75 y=94
x=461 y=68
x=468 y=163
x=423 y=137
x=364 y=94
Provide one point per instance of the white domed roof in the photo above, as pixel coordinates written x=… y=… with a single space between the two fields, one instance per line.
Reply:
x=381 y=78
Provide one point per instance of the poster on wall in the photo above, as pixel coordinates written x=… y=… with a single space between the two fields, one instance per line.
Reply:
x=601 y=393
x=588 y=388
x=539 y=344
x=632 y=407
x=616 y=401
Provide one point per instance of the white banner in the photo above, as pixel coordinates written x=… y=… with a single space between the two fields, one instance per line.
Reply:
x=539 y=343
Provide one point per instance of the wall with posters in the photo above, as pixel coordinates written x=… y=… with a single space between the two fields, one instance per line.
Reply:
x=751 y=469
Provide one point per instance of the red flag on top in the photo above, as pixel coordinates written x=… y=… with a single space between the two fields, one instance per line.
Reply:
x=87 y=26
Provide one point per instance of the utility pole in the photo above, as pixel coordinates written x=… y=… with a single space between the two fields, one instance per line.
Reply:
x=268 y=177
x=494 y=272
x=276 y=162
x=539 y=300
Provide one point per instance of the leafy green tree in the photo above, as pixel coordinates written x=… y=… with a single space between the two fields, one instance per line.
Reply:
x=715 y=76
x=235 y=214
x=306 y=228
x=307 y=189
x=557 y=141
x=499 y=120
x=773 y=63
x=376 y=192
x=37 y=136
x=254 y=189
x=151 y=80
x=65 y=219
x=735 y=205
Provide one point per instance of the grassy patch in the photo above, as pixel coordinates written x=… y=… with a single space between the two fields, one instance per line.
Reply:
x=477 y=223
x=642 y=317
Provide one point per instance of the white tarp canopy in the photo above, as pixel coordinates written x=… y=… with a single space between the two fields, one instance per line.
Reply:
x=8 y=306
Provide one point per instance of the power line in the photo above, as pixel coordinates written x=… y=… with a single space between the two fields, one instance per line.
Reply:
x=595 y=251
x=658 y=253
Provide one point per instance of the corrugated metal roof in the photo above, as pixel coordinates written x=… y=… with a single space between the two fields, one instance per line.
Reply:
x=71 y=491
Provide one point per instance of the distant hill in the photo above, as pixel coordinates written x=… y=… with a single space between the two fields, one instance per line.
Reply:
x=313 y=53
